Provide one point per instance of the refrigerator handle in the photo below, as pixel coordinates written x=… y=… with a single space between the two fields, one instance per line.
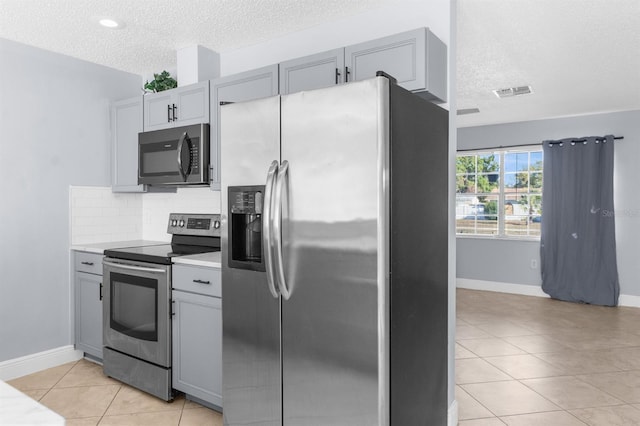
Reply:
x=281 y=180
x=267 y=233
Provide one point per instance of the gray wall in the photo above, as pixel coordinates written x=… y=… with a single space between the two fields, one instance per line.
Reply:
x=510 y=261
x=54 y=132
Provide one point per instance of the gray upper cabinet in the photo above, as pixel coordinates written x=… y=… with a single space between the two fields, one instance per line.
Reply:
x=312 y=72
x=416 y=59
x=126 y=123
x=246 y=86
x=177 y=107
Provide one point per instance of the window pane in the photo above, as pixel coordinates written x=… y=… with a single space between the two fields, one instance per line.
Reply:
x=535 y=162
x=488 y=183
x=516 y=161
x=466 y=183
x=466 y=164
x=476 y=215
x=535 y=180
x=488 y=163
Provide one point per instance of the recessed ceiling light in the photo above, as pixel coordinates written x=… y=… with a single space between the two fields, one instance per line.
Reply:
x=513 y=91
x=111 y=23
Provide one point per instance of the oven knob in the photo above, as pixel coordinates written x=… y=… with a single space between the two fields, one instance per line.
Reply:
x=174 y=223
x=216 y=224
x=181 y=223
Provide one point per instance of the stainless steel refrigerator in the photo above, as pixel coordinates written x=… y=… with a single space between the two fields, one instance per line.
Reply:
x=334 y=258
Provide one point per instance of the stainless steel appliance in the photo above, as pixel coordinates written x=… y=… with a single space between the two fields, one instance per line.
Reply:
x=339 y=315
x=176 y=156
x=137 y=303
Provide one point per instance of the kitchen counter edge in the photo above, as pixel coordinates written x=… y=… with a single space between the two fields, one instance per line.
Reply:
x=99 y=248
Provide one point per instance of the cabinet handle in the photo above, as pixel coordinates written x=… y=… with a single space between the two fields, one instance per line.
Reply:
x=337 y=76
x=172 y=308
x=201 y=282
x=346 y=74
x=175 y=112
x=169 y=113
x=87 y=263
x=100 y=291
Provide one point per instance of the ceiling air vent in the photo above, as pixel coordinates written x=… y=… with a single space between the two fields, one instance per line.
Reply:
x=512 y=91
x=466 y=111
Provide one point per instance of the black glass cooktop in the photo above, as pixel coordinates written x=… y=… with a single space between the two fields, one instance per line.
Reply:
x=161 y=254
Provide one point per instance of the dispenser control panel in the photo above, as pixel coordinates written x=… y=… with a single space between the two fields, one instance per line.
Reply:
x=246 y=202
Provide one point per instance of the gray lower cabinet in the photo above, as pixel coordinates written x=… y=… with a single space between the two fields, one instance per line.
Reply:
x=181 y=106
x=88 y=303
x=246 y=86
x=197 y=333
x=126 y=123
x=417 y=59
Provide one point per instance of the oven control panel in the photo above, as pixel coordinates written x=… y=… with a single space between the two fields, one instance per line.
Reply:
x=199 y=224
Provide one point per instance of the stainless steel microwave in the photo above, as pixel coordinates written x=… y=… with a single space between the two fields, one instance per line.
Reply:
x=178 y=156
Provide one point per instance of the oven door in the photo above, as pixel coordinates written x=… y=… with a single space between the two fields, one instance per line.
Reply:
x=136 y=313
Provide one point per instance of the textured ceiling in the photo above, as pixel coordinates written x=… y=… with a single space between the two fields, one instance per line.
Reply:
x=579 y=56
x=154 y=30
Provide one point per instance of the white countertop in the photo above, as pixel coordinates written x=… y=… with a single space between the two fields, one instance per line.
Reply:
x=17 y=408
x=210 y=260
x=99 y=248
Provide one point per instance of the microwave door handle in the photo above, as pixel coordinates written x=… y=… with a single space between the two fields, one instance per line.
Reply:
x=181 y=168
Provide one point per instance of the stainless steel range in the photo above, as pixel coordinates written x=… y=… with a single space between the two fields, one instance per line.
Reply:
x=137 y=303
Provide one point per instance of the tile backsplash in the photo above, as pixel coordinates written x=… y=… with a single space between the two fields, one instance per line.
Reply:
x=157 y=206
x=99 y=215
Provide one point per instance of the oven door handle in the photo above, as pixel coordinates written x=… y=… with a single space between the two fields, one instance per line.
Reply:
x=135 y=268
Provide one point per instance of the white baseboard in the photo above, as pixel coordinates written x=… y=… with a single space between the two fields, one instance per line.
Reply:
x=33 y=363
x=528 y=290
x=452 y=414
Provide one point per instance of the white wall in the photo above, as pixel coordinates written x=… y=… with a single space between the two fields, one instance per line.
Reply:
x=510 y=261
x=54 y=121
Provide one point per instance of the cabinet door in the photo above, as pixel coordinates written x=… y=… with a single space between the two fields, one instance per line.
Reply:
x=417 y=59
x=192 y=104
x=197 y=346
x=126 y=123
x=88 y=313
x=158 y=112
x=246 y=86
x=312 y=72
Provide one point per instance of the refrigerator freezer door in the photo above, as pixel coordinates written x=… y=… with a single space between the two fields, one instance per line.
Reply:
x=333 y=335
x=250 y=141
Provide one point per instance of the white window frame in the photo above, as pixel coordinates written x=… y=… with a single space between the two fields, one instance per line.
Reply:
x=501 y=195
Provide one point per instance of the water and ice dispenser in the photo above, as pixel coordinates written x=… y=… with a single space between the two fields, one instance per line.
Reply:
x=245 y=227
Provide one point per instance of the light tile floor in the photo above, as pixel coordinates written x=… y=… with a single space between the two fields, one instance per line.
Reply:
x=528 y=361
x=81 y=393
x=520 y=361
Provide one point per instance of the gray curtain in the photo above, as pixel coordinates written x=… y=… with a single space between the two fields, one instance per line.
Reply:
x=578 y=243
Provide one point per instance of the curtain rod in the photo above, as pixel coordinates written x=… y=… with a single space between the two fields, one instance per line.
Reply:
x=581 y=140
x=552 y=142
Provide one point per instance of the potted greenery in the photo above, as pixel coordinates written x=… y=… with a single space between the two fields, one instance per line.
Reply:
x=160 y=82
